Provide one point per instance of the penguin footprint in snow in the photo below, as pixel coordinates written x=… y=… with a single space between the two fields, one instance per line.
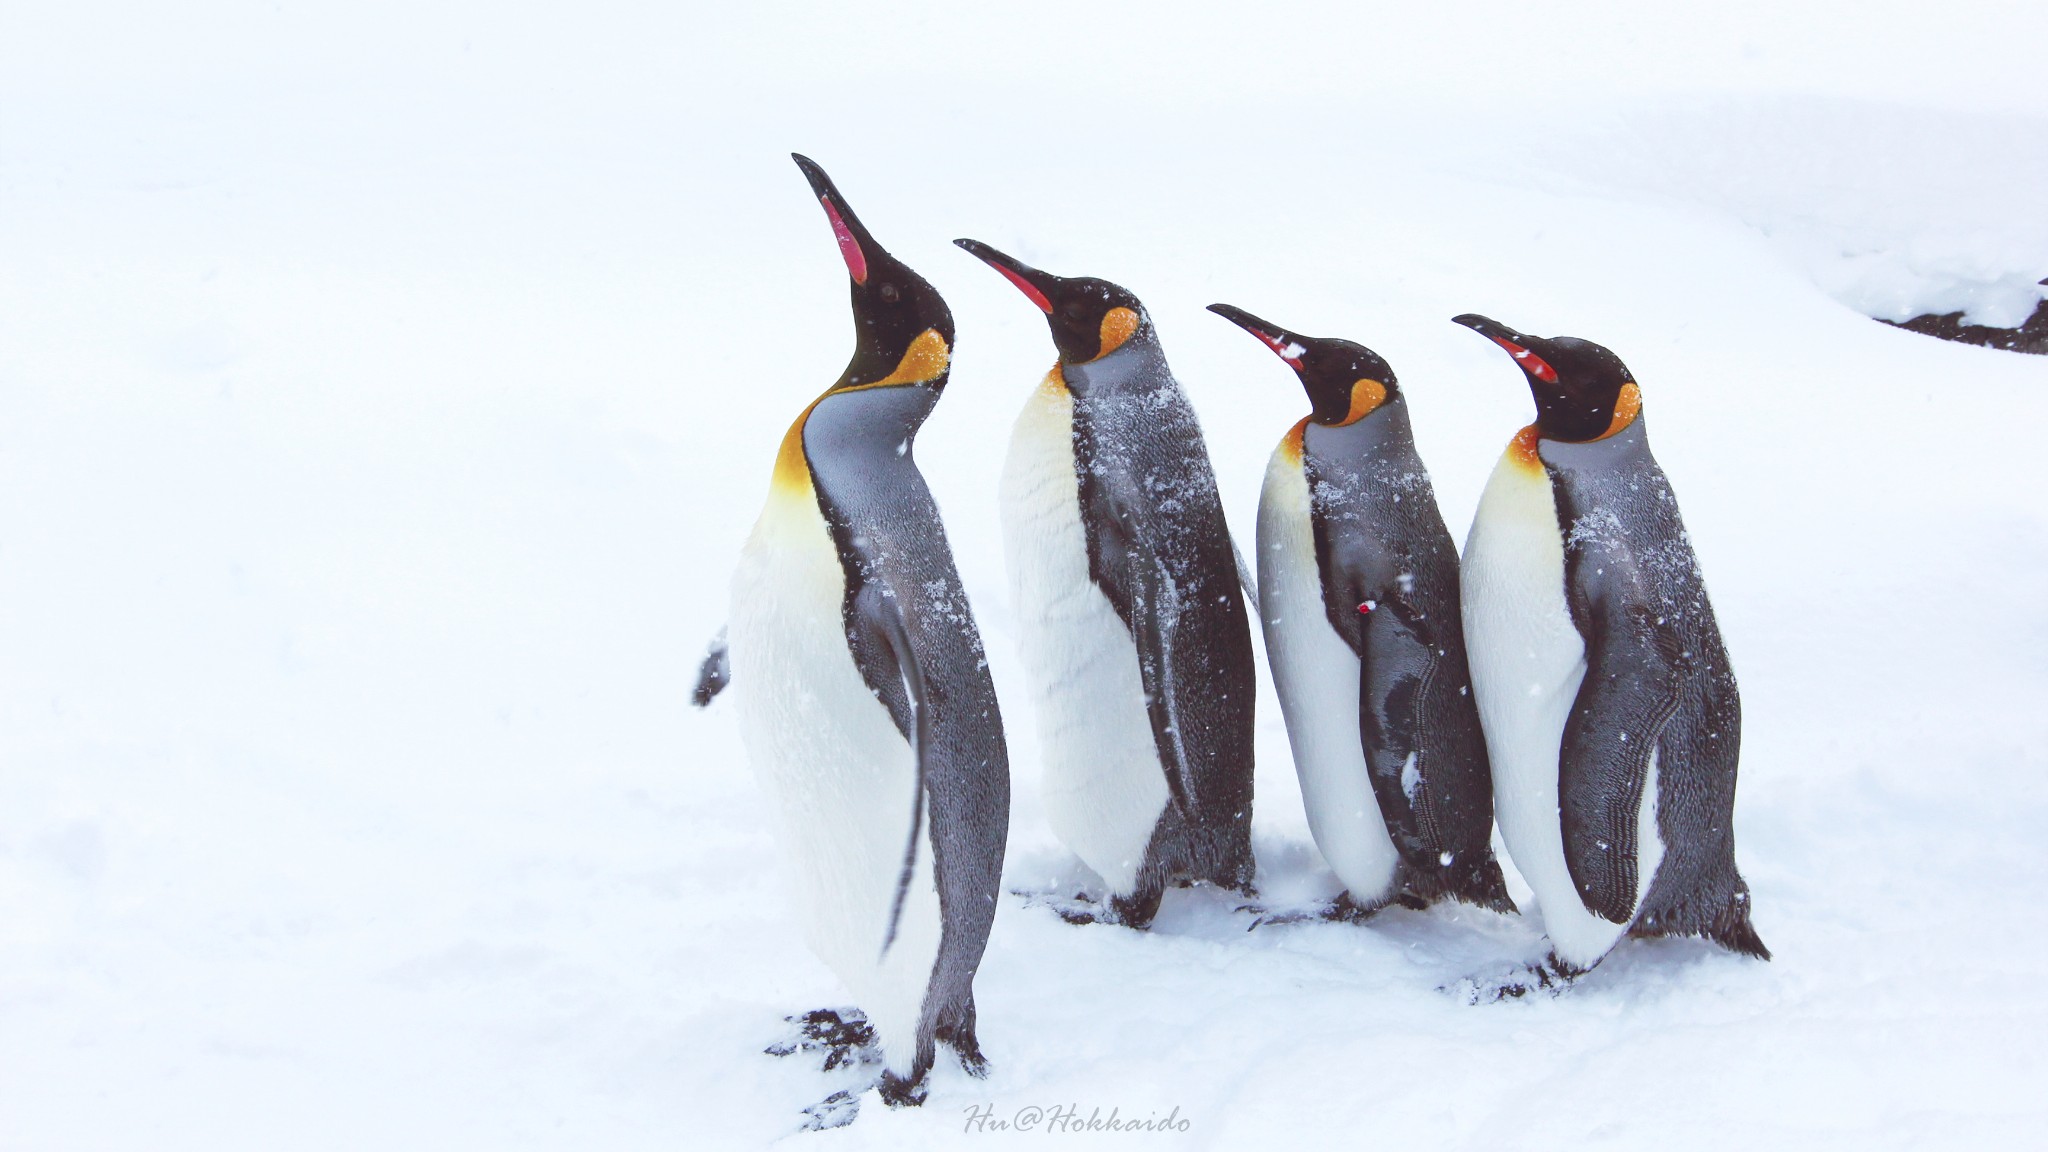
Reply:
x=834 y=1111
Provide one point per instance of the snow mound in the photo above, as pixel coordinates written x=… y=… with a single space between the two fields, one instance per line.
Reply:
x=1890 y=210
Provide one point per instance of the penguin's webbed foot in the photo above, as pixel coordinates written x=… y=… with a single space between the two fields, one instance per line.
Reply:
x=897 y=1092
x=1075 y=909
x=1137 y=909
x=1266 y=918
x=842 y=1034
x=1131 y=912
x=1551 y=977
x=1342 y=910
x=972 y=1062
x=834 y=1111
x=966 y=1049
x=959 y=1036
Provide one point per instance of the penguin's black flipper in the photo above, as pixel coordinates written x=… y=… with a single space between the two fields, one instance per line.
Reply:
x=1140 y=588
x=714 y=674
x=888 y=661
x=1396 y=665
x=1155 y=665
x=1628 y=695
x=1439 y=806
x=1247 y=578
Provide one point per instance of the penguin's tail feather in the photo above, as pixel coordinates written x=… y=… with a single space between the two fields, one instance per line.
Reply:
x=1697 y=915
x=1733 y=931
x=1485 y=886
x=714 y=674
x=1480 y=884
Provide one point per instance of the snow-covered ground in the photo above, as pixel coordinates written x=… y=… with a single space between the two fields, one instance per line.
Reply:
x=385 y=392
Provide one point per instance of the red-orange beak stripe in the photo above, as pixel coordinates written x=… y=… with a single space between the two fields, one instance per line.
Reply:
x=1025 y=286
x=1531 y=363
x=849 y=248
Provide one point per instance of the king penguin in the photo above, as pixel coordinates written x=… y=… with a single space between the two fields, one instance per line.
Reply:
x=866 y=705
x=1610 y=710
x=1358 y=596
x=1127 y=591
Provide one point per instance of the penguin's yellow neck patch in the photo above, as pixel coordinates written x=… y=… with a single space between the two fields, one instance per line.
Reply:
x=1055 y=382
x=1627 y=407
x=925 y=360
x=1290 y=444
x=1522 y=449
x=1118 y=325
x=1366 y=395
x=792 y=471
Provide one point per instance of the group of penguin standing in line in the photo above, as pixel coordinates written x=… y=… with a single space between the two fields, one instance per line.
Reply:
x=1570 y=676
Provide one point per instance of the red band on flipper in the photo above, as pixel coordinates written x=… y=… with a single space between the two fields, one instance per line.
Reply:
x=856 y=260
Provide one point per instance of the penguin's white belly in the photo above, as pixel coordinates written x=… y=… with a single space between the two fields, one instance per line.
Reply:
x=1102 y=785
x=842 y=778
x=1317 y=676
x=1527 y=661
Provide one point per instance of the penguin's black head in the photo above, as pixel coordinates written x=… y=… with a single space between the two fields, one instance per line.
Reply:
x=903 y=331
x=1089 y=318
x=1345 y=381
x=1583 y=392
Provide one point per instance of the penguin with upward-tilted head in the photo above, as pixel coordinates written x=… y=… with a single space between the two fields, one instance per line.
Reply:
x=1358 y=594
x=1610 y=711
x=1133 y=622
x=866 y=706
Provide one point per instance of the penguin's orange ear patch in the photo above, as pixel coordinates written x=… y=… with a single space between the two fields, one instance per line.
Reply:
x=849 y=248
x=1366 y=397
x=1531 y=363
x=1117 y=326
x=1627 y=407
x=925 y=360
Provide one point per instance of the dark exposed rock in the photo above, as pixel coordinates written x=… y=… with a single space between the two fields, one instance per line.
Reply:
x=2031 y=336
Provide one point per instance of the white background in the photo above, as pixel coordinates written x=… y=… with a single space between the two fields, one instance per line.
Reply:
x=385 y=392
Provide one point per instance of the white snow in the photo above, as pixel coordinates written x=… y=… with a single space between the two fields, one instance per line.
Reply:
x=386 y=390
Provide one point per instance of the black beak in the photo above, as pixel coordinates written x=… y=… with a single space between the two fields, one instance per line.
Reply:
x=855 y=244
x=1039 y=286
x=1491 y=329
x=1285 y=344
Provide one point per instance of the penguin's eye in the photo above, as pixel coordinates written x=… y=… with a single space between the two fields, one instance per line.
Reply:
x=889 y=294
x=1076 y=310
